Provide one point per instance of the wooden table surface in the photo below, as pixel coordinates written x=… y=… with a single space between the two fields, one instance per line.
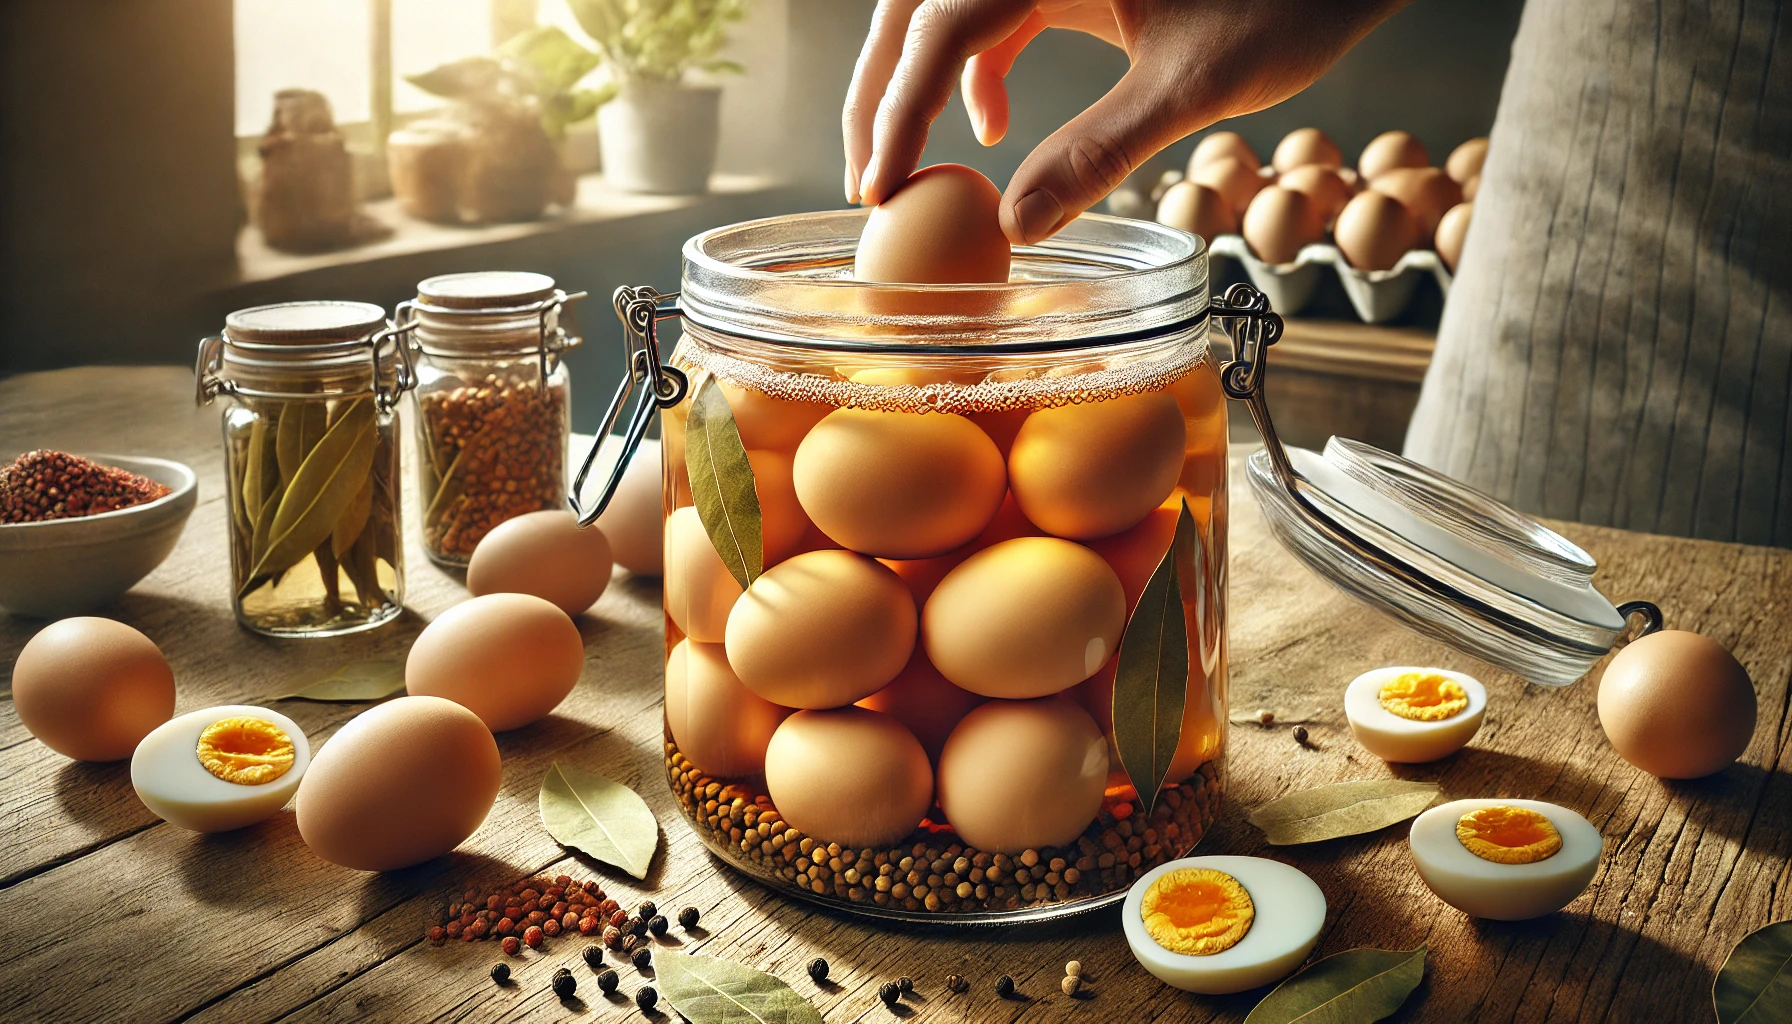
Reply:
x=107 y=914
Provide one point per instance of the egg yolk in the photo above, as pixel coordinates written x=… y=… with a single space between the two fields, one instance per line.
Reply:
x=1197 y=911
x=1508 y=835
x=246 y=751
x=1423 y=697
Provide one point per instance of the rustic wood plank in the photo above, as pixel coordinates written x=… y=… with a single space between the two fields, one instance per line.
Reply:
x=111 y=916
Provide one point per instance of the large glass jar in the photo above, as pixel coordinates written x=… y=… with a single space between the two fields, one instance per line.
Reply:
x=311 y=462
x=492 y=403
x=975 y=507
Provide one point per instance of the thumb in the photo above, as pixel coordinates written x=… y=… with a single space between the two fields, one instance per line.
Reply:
x=1080 y=163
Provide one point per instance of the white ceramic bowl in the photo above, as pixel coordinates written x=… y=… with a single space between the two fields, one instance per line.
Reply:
x=69 y=566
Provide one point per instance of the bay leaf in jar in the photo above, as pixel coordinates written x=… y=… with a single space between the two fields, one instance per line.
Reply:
x=321 y=490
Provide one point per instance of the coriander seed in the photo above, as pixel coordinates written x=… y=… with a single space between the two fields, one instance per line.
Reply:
x=955 y=983
x=1266 y=716
x=613 y=937
x=532 y=936
x=687 y=918
x=501 y=972
x=594 y=957
x=565 y=985
x=607 y=980
x=642 y=958
x=646 y=997
x=818 y=970
x=889 y=993
x=1070 y=984
x=511 y=945
x=1074 y=968
x=1005 y=986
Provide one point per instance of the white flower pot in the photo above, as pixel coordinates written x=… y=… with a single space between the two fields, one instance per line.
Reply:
x=660 y=137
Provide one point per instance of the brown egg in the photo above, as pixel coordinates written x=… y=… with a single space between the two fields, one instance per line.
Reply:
x=1305 y=147
x=634 y=521
x=782 y=521
x=1677 y=705
x=719 y=724
x=1320 y=184
x=508 y=658
x=1019 y=775
x=921 y=699
x=1426 y=191
x=1220 y=146
x=1452 y=231
x=1374 y=231
x=545 y=554
x=91 y=688
x=1235 y=181
x=1470 y=188
x=1198 y=210
x=1280 y=222
x=1135 y=553
x=1024 y=618
x=1465 y=160
x=1390 y=150
x=942 y=226
x=400 y=783
x=765 y=422
x=821 y=630
x=700 y=592
x=1090 y=470
x=849 y=776
x=899 y=484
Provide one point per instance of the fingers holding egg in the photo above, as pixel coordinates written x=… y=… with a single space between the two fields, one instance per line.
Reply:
x=857 y=777
x=720 y=726
x=941 y=226
x=1004 y=803
x=90 y=688
x=1414 y=715
x=1217 y=925
x=1093 y=469
x=221 y=768
x=1505 y=860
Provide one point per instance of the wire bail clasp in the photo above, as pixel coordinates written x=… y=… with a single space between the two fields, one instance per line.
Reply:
x=640 y=309
x=1254 y=328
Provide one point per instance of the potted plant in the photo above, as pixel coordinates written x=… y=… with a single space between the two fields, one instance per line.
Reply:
x=659 y=132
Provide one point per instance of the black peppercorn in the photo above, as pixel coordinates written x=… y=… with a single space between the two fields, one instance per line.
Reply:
x=563 y=972
x=646 y=910
x=818 y=970
x=565 y=985
x=594 y=956
x=607 y=981
x=906 y=984
x=500 y=973
x=636 y=926
x=657 y=924
x=687 y=918
x=1300 y=735
x=642 y=958
x=646 y=997
x=889 y=993
x=1004 y=986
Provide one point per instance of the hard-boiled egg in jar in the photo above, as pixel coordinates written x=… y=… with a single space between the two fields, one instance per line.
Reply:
x=1506 y=860
x=1216 y=925
x=221 y=768
x=1412 y=715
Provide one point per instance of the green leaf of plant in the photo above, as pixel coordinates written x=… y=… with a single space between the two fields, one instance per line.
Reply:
x=1754 y=986
x=356 y=681
x=1341 y=809
x=1151 y=679
x=722 y=484
x=1357 y=986
x=553 y=60
x=605 y=819
x=707 y=990
x=327 y=481
x=472 y=78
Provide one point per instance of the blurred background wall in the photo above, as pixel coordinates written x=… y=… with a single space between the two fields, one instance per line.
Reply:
x=121 y=206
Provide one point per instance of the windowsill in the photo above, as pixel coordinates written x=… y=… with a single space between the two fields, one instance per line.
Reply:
x=597 y=204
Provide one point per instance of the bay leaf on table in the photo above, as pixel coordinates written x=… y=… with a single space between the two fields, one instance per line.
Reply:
x=1341 y=809
x=1754 y=986
x=1357 y=986
x=321 y=490
x=1151 y=676
x=722 y=484
x=605 y=819
x=357 y=681
x=709 y=990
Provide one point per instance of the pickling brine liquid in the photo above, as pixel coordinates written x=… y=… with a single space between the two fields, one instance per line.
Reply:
x=910 y=708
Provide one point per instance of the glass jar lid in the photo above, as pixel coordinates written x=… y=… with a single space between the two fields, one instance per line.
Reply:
x=305 y=349
x=485 y=290
x=490 y=314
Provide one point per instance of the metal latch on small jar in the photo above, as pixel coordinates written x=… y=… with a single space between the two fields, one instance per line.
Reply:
x=640 y=309
x=551 y=341
x=210 y=381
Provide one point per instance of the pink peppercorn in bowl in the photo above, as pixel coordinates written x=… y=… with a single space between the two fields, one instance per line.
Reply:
x=67 y=566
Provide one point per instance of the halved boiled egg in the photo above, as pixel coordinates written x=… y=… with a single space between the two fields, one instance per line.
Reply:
x=1411 y=715
x=1215 y=925
x=1507 y=860
x=220 y=768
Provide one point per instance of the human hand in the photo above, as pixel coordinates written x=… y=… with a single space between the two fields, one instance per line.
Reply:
x=1193 y=62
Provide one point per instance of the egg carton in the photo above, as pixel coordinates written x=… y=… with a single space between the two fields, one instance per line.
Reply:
x=1377 y=295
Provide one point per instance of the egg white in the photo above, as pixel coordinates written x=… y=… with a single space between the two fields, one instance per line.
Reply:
x=1403 y=740
x=1504 y=892
x=1289 y=911
x=170 y=780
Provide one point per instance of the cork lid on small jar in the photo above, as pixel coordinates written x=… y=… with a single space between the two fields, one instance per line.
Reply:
x=485 y=289
x=304 y=323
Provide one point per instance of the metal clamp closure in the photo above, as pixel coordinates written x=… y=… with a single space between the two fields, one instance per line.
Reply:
x=553 y=340
x=209 y=381
x=640 y=309
x=1254 y=328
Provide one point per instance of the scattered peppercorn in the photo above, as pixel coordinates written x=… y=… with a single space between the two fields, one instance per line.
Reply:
x=630 y=943
x=594 y=957
x=1004 y=986
x=906 y=984
x=1300 y=735
x=657 y=925
x=562 y=972
x=532 y=936
x=642 y=958
x=646 y=910
x=613 y=937
x=687 y=918
x=956 y=983
x=889 y=993
x=818 y=970
x=565 y=985
x=645 y=997
x=511 y=945
x=500 y=972
x=1074 y=968
x=607 y=980
x=1070 y=984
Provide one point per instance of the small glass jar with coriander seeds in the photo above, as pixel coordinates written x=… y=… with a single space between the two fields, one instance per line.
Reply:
x=492 y=402
x=311 y=460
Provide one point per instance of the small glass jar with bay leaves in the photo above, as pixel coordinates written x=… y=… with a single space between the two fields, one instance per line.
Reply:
x=311 y=461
